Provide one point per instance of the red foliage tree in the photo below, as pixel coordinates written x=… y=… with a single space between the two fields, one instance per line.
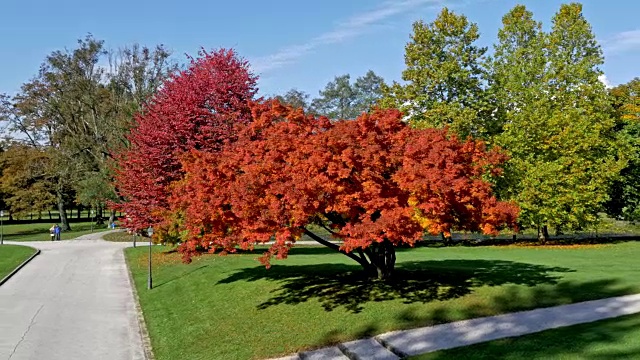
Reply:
x=195 y=109
x=374 y=183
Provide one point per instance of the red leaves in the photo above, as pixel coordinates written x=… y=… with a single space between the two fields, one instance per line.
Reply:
x=195 y=109
x=371 y=179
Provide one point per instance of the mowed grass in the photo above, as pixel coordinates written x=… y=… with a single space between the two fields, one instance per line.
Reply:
x=122 y=236
x=11 y=256
x=40 y=232
x=231 y=307
x=607 y=339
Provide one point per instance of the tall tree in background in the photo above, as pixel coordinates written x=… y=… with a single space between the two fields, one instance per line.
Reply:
x=297 y=99
x=444 y=76
x=341 y=99
x=559 y=133
x=25 y=179
x=194 y=109
x=77 y=110
x=624 y=195
x=517 y=68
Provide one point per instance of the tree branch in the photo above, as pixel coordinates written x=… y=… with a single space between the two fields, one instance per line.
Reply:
x=335 y=247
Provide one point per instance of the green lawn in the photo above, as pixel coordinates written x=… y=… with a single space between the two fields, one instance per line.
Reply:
x=608 y=339
x=11 y=256
x=231 y=307
x=122 y=236
x=40 y=232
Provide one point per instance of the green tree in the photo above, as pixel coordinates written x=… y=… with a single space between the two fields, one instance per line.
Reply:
x=624 y=194
x=559 y=132
x=296 y=98
x=444 y=76
x=341 y=99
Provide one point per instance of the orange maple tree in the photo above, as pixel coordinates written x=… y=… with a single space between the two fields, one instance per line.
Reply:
x=374 y=183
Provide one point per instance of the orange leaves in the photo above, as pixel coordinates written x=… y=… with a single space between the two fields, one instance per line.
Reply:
x=369 y=180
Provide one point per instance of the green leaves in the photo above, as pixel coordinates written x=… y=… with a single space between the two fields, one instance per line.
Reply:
x=341 y=99
x=557 y=124
x=444 y=76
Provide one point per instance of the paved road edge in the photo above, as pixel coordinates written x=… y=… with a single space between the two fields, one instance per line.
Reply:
x=6 y=278
x=144 y=334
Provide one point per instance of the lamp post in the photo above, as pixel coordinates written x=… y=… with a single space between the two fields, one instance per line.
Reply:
x=149 y=281
x=92 y=212
x=1 y=228
x=134 y=239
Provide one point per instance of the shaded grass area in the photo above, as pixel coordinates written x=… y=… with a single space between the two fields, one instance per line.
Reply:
x=230 y=307
x=11 y=256
x=122 y=236
x=40 y=232
x=607 y=339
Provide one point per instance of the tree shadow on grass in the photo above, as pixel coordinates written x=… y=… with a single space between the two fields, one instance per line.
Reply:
x=341 y=285
x=585 y=341
x=511 y=300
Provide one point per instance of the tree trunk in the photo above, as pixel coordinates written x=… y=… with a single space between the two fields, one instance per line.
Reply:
x=50 y=218
x=382 y=258
x=544 y=234
x=78 y=212
x=99 y=219
x=446 y=240
x=63 y=215
x=112 y=217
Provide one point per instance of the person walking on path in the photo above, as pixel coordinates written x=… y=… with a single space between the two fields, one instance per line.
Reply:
x=52 y=232
x=57 y=230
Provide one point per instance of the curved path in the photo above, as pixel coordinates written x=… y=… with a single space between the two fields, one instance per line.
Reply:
x=73 y=301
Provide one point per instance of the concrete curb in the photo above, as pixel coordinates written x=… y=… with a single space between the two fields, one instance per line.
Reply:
x=6 y=278
x=144 y=333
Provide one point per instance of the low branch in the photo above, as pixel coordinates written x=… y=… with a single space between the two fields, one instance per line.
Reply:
x=335 y=247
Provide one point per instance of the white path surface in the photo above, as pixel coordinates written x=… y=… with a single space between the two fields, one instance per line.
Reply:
x=73 y=301
x=468 y=332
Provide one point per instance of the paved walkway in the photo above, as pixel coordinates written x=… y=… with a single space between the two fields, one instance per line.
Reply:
x=73 y=301
x=397 y=344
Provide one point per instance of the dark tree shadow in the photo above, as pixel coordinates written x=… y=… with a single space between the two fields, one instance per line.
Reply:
x=582 y=341
x=336 y=285
x=572 y=341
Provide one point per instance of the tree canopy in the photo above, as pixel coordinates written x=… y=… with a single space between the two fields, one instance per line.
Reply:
x=194 y=109
x=374 y=183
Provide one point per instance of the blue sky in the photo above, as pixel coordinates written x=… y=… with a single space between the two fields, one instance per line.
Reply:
x=291 y=43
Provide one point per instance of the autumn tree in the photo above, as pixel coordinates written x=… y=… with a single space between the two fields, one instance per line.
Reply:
x=342 y=99
x=559 y=130
x=624 y=194
x=374 y=183
x=25 y=179
x=195 y=108
x=444 y=77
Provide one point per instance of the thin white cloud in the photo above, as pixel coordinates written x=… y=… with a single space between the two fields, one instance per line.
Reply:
x=621 y=42
x=348 y=29
x=603 y=79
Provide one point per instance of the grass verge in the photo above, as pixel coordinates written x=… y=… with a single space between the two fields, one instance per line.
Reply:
x=11 y=256
x=231 y=307
x=607 y=339
x=122 y=236
x=40 y=232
